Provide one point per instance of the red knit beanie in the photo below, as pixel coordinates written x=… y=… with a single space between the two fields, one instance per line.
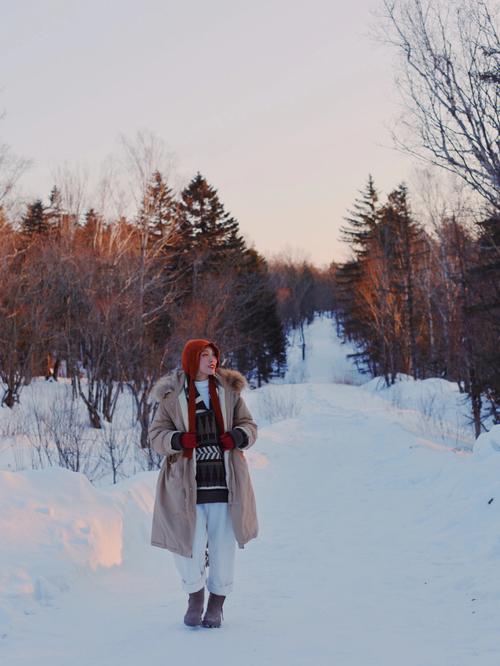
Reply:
x=190 y=363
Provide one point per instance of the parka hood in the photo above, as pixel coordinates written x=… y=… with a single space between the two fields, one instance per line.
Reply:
x=174 y=381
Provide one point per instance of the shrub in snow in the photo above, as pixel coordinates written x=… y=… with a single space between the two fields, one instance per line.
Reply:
x=59 y=435
x=277 y=403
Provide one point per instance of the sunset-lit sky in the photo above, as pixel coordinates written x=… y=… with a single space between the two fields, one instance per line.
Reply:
x=282 y=105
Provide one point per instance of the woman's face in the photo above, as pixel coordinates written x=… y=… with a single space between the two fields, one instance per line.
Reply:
x=208 y=363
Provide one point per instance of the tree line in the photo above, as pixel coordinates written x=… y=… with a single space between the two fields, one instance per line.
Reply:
x=425 y=300
x=420 y=301
x=112 y=302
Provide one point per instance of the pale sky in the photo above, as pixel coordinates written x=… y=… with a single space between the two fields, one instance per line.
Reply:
x=282 y=105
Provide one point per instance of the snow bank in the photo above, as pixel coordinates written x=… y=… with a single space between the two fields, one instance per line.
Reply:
x=468 y=511
x=487 y=446
x=434 y=406
x=56 y=526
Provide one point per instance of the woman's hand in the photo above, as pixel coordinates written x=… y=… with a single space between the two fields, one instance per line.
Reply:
x=227 y=441
x=188 y=440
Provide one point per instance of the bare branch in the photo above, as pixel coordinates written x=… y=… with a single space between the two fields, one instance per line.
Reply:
x=449 y=57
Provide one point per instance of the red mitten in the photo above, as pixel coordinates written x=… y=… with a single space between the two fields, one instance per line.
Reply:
x=227 y=441
x=188 y=440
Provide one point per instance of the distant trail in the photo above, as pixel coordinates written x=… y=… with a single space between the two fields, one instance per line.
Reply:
x=350 y=567
x=326 y=360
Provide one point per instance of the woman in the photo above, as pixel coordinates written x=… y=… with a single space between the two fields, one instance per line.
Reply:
x=204 y=494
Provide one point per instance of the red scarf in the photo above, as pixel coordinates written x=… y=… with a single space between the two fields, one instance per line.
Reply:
x=190 y=364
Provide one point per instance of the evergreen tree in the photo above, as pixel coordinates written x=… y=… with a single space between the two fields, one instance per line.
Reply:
x=400 y=243
x=263 y=352
x=55 y=200
x=34 y=223
x=158 y=210
x=92 y=228
x=347 y=277
x=54 y=211
x=381 y=306
x=362 y=220
x=206 y=231
x=482 y=313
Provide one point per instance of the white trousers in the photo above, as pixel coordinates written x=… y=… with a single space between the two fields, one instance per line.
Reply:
x=213 y=525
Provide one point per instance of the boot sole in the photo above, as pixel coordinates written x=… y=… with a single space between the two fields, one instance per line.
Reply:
x=196 y=622
x=212 y=624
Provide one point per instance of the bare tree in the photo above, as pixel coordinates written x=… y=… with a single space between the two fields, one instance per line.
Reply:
x=293 y=279
x=12 y=168
x=72 y=183
x=23 y=318
x=143 y=155
x=110 y=195
x=114 y=451
x=59 y=436
x=449 y=80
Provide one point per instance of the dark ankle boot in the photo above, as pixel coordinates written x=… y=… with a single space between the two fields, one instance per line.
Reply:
x=214 y=614
x=195 y=608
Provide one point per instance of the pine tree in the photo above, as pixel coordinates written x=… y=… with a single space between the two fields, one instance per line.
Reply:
x=482 y=313
x=203 y=224
x=158 y=210
x=34 y=223
x=362 y=220
x=397 y=219
x=55 y=200
x=54 y=211
x=263 y=353
x=378 y=292
x=400 y=244
x=359 y=232
x=347 y=277
x=92 y=229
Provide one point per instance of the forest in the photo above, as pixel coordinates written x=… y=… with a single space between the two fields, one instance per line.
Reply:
x=424 y=299
x=109 y=305
x=108 y=299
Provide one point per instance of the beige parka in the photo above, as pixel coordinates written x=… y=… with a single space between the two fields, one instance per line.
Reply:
x=174 y=514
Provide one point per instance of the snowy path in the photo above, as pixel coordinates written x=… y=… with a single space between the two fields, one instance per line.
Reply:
x=358 y=563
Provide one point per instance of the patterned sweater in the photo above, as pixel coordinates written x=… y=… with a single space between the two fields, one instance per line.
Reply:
x=210 y=469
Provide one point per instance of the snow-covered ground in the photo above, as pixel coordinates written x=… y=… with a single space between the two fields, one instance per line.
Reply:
x=379 y=540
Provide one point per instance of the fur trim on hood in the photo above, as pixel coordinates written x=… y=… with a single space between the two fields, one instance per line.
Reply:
x=231 y=378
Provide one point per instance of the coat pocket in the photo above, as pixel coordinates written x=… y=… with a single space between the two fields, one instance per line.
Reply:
x=173 y=466
x=174 y=496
